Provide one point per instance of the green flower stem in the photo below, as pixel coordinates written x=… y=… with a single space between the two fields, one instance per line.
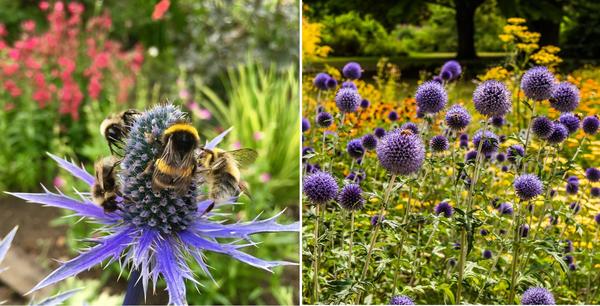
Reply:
x=397 y=268
x=527 y=136
x=588 y=293
x=317 y=255
x=351 y=244
x=515 y=253
x=489 y=274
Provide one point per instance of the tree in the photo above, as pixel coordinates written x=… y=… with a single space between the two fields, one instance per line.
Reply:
x=465 y=27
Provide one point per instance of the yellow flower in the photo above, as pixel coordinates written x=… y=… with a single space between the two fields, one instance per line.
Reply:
x=495 y=73
x=311 y=40
x=515 y=20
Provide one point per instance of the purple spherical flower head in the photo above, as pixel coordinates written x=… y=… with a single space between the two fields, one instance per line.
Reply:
x=375 y=220
x=573 y=179
x=538 y=83
x=349 y=85
x=565 y=97
x=369 y=141
x=595 y=192
x=497 y=121
x=492 y=98
x=352 y=71
x=439 y=143
x=355 y=148
x=471 y=155
x=379 y=132
x=431 y=97
x=401 y=300
x=570 y=121
x=524 y=230
x=347 y=100
x=542 y=127
x=446 y=75
x=410 y=126
x=438 y=79
x=324 y=119
x=489 y=142
x=487 y=254
x=572 y=188
x=457 y=118
x=575 y=207
x=401 y=152
x=305 y=125
x=528 y=186
x=464 y=137
x=444 y=208
x=483 y=232
x=500 y=157
x=569 y=246
x=590 y=124
x=350 y=198
x=365 y=103
x=452 y=67
x=504 y=168
x=592 y=174
x=513 y=151
x=537 y=296
x=320 y=187
x=393 y=116
x=559 y=135
x=331 y=83
x=597 y=219
x=320 y=81
x=505 y=209
x=572 y=267
x=569 y=259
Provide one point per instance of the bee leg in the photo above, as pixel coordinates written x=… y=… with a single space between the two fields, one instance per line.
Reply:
x=244 y=189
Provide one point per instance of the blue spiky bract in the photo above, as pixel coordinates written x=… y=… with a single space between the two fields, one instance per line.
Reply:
x=457 y=117
x=528 y=186
x=537 y=296
x=401 y=300
x=431 y=97
x=565 y=97
x=590 y=124
x=153 y=232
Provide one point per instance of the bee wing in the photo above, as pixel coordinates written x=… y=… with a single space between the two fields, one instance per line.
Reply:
x=244 y=157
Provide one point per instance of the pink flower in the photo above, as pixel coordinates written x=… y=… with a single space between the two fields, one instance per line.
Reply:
x=101 y=60
x=76 y=8
x=28 y=26
x=236 y=145
x=9 y=106
x=258 y=135
x=10 y=69
x=44 y=5
x=184 y=94
x=94 y=87
x=3 y=30
x=204 y=114
x=58 y=182
x=193 y=106
x=265 y=177
x=160 y=9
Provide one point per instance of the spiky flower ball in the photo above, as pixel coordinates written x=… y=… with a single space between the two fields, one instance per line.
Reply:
x=444 y=208
x=513 y=152
x=528 y=186
x=431 y=97
x=592 y=174
x=347 y=100
x=524 y=230
x=365 y=103
x=457 y=118
x=320 y=81
x=542 y=127
x=355 y=148
x=369 y=141
x=409 y=126
x=349 y=85
x=453 y=68
x=590 y=124
x=538 y=83
x=487 y=254
x=492 y=98
x=375 y=220
x=595 y=192
x=320 y=187
x=570 y=121
x=572 y=187
x=559 y=135
x=500 y=157
x=537 y=296
x=445 y=75
x=379 y=132
x=488 y=140
x=471 y=155
x=401 y=300
x=439 y=143
x=497 y=121
x=332 y=83
x=597 y=219
x=393 y=116
x=352 y=71
x=565 y=97
x=401 y=152
x=350 y=198
x=305 y=125
x=324 y=119
x=505 y=209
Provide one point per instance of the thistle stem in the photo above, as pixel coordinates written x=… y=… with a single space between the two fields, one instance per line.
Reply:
x=515 y=259
x=135 y=289
x=316 y=261
x=351 y=244
x=527 y=135
x=589 y=282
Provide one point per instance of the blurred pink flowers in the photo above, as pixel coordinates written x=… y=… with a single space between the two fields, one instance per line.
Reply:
x=201 y=113
x=160 y=9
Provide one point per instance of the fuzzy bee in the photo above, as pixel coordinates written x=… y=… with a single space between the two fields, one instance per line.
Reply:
x=106 y=188
x=221 y=171
x=176 y=166
x=116 y=128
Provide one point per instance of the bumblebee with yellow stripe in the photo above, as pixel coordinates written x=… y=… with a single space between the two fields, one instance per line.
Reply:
x=176 y=166
x=222 y=171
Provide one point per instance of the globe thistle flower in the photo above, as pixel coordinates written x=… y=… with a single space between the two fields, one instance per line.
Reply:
x=324 y=119
x=431 y=97
x=571 y=188
x=379 y=132
x=438 y=79
x=505 y=209
x=153 y=231
x=355 y=177
x=497 y=121
x=439 y=143
x=502 y=138
x=492 y=98
x=538 y=83
x=570 y=121
x=446 y=75
x=463 y=144
x=483 y=232
x=542 y=127
x=393 y=116
x=504 y=168
x=575 y=207
x=569 y=259
x=569 y=246
x=595 y=192
x=559 y=135
x=365 y=103
x=456 y=245
x=524 y=230
x=350 y=198
x=444 y=208
x=349 y=85
x=332 y=83
x=592 y=174
x=320 y=187
x=355 y=148
x=590 y=125
x=487 y=254
x=470 y=156
x=537 y=296
x=452 y=262
x=572 y=267
x=419 y=113
x=513 y=151
x=347 y=100
x=464 y=136
x=305 y=125
x=573 y=179
x=410 y=126
x=565 y=97
x=320 y=81
x=453 y=68
x=500 y=157
x=352 y=70
x=375 y=220
x=489 y=141
x=369 y=141
x=597 y=219
x=401 y=300
x=528 y=186
x=401 y=153
x=457 y=118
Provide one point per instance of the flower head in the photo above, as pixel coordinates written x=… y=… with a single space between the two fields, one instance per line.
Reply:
x=369 y=141
x=331 y=83
x=513 y=151
x=570 y=121
x=347 y=100
x=592 y=174
x=559 y=135
x=324 y=119
x=489 y=141
x=597 y=219
x=365 y=103
x=572 y=187
x=379 y=132
x=409 y=126
x=355 y=148
x=439 y=143
x=565 y=97
x=349 y=85
x=305 y=125
x=500 y=157
x=537 y=296
x=444 y=208
x=320 y=81
x=351 y=198
x=595 y=192
x=401 y=300
x=352 y=71
x=497 y=121
x=431 y=97
x=505 y=209
x=452 y=68
x=528 y=186
x=457 y=118
x=492 y=98
x=375 y=220
x=401 y=152
x=487 y=254
x=320 y=187
x=590 y=125
x=542 y=127
x=393 y=116
x=538 y=83
x=524 y=230
x=471 y=155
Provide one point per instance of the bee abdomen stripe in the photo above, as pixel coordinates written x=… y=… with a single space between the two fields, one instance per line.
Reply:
x=170 y=170
x=182 y=127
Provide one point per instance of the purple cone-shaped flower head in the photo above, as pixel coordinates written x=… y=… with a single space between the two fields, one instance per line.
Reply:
x=570 y=121
x=537 y=296
x=590 y=124
x=464 y=137
x=444 y=208
x=355 y=148
x=505 y=209
x=332 y=83
x=379 y=132
x=457 y=118
x=401 y=152
x=572 y=267
x=542 y=127
x=489 y=142
x=320 y=187
x=369 y=141
x=492 y=98
x=350 y=198
x=305 y=125
x=349 y=85
x=565 y=97
x=497 y=121
x=592 y=174
x=559 y=135
x=324 y=119
x=352 y=71
x=453 y=68
x=431 y=97
x=347 y=100
x=538 y=83
x=528 y=186
x=401 y=300
x=320 y=81
x=439 y=143
x=573 y=179
x=487 y=254
x=393 y=116
x=365 y=103
x=513 y=152
x=152 y=232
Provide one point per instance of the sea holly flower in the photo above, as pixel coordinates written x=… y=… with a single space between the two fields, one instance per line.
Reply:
x=154 y=233
x=538 y=83
x=492 y=98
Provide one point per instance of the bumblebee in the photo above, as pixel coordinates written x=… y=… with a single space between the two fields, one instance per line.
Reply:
x=116 y=128
x=222 y=171
x=176 y=166
x=106 y=188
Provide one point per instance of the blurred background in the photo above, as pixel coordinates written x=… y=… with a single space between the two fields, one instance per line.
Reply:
x=64 y=66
